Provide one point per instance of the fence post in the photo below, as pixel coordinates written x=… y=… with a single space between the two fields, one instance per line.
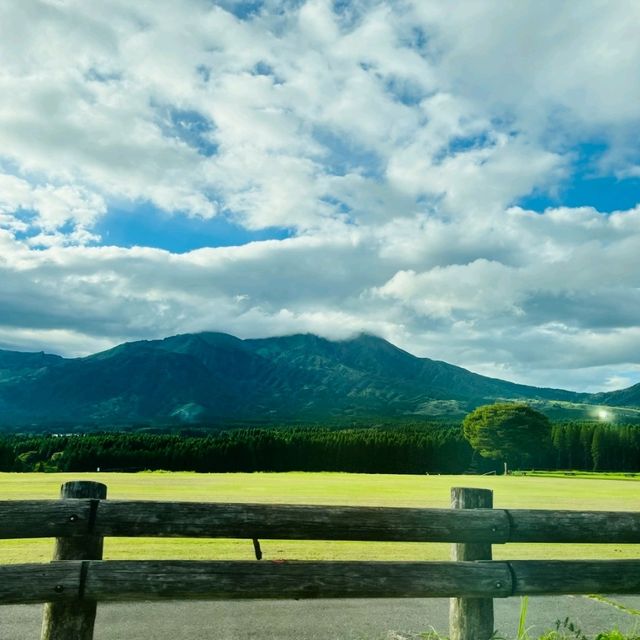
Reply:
x=471 y=618
x=66 y=620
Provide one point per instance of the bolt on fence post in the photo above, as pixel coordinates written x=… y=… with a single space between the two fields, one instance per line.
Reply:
x=471 y=618
x=74 y=619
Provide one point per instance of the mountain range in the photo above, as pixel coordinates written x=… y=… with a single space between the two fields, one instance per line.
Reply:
x=218 y=378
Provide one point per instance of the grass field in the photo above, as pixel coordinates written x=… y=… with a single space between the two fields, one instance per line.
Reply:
x=617 y=492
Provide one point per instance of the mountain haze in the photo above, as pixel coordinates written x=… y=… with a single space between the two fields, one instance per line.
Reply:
x=218 y=377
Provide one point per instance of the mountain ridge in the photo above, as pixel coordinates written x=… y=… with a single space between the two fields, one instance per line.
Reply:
x=211 y=377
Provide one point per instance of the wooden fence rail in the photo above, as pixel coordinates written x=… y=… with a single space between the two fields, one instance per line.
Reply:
x=131 y=580
x=78 y=578
x=118 y=518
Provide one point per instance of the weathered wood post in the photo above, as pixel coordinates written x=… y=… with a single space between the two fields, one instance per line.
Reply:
x=471 y=618
x=75 y=620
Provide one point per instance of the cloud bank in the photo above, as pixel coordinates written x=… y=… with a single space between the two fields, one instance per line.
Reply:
x=397 y=150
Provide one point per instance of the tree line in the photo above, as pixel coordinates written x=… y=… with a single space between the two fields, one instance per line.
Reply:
x=374 y=450
x=419 y=449
x=595 y=447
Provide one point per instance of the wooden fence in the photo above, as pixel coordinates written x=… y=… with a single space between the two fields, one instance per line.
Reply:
x=77 y=578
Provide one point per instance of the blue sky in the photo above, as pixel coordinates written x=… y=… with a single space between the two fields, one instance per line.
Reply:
x=148 y=226
x=465 y=184
x=588 y=185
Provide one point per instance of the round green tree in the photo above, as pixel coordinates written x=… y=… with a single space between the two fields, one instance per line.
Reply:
x=512 y=432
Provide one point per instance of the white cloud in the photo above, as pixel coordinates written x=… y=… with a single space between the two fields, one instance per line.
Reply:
x=509 y=314
x=48 y=210
x=392 y=139
x=91 y=90
x=540 y=58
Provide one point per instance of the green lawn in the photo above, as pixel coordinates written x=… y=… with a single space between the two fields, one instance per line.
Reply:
x=531 y=491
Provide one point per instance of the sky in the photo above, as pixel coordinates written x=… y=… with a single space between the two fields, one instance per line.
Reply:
x=462 y=179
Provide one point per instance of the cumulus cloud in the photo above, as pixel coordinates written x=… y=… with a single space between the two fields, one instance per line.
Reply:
x=57 y=214
x=393 y=140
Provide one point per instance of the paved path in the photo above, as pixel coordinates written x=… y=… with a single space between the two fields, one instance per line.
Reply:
x=313 y=619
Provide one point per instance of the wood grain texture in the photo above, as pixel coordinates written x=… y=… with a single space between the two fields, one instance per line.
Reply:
x=128 y=580
x=265 y=521
x=545 y=525
x=471 y=618
x=29 y=583
x=462 y=498
x=75 y=619
x=70 y=517
x=305 y=522
x=141 y=580
x=43 y=518
x=574 y=577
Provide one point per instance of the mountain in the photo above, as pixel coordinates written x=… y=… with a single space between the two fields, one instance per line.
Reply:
x=629 y=397
x=215 y=377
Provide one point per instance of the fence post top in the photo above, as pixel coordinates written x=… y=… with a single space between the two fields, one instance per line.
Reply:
x=470 y=490
x=83 y=489
x=471 y=498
